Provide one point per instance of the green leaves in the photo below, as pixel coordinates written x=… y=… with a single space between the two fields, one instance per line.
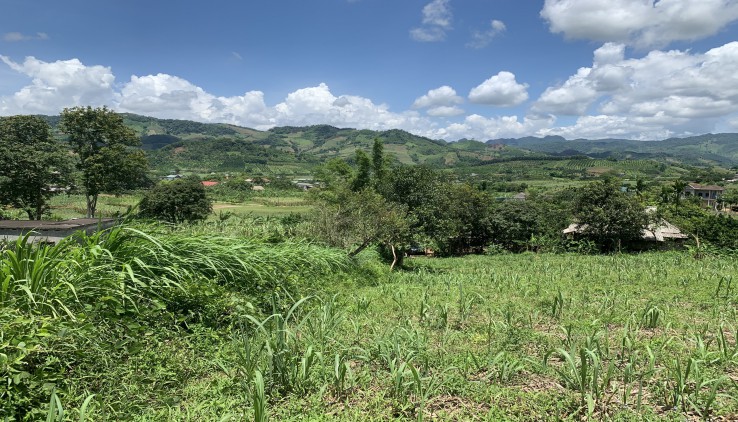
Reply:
x=104 y=147
x=32 y=165
x=178 y=201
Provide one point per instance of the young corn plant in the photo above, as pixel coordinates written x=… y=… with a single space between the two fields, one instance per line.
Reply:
x=400 y=381
x=55 y=411
x=637 y=369
x=342 y=376
x=424 y=310
x=687 y=387
x=259 y=399
x=557 y=305
x=424 y=387
x=441 y=320
x=466 y=304
x=362 y=305
x=586 y=375
x=505 y=367
x=652 y=316
x=727 y=282
x=324 y=324
x=677 y=386
x=289 y=368
x=728 y=353
x=702 y=350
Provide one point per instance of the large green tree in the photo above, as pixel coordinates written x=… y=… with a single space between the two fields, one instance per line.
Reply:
x=32 y=164
x=609 y=217
x=108 y=155
x=178 y=201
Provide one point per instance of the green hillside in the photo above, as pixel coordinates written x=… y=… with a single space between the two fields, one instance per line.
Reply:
x=214 y=147
x=710 y=149
x=205 y=147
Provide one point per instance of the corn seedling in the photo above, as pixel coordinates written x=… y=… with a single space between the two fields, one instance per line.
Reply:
x=728 y=352
x=400 y=381
x=727 y=282
x=55 y=411
x=652 y=316
x=466 y=304
x=362 y=305
x=442 y=315
x=504 y=367
x=258 y=398
x=586 y=375
x=424 y=309
x=424 y=387
x=557 y=305
x=342 y=374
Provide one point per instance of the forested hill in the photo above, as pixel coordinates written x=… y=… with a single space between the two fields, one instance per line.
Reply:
x=222 y=147
x=709 y=149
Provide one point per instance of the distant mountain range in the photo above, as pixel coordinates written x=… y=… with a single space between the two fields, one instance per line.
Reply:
x=709 y=149
x=222 y=147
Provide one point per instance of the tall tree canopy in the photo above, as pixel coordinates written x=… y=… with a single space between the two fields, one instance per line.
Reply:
x=108 y=158
x=32 y=164
x=183 y=200
x=608 y=216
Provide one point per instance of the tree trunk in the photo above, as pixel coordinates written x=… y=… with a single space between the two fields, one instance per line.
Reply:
x=394 y=257
x=39 y=209
x=91 y=205
x=361 y=247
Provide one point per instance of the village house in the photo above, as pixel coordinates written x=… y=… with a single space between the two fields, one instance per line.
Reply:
x=708 y=193
x=659 y=232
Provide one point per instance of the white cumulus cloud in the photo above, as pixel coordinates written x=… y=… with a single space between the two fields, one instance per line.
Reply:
x=639 y=22
x=501 y=90
x=483 y=128
x=666 y=92
x=59 y=84
x=481 y=39
x=437 y=19
x=443 y=96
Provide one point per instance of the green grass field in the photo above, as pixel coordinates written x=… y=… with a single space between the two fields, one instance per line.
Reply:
x=73 y=206
x=234 y=329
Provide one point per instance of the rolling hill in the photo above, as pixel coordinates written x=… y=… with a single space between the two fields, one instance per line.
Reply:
x=703 y=150
x=206 y=147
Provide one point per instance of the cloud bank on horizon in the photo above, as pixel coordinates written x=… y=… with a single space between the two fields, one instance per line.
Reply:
x=653 y=94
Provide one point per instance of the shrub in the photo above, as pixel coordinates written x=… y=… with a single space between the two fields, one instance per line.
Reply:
x=182 y=200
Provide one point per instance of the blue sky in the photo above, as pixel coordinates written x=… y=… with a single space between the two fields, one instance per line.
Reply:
x=446 y=69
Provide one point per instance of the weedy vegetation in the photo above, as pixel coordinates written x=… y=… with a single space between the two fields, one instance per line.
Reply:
x=204 y=323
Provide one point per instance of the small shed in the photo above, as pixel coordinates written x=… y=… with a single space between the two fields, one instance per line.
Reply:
x=51 y=231
x=656 y=232
x=522 y=196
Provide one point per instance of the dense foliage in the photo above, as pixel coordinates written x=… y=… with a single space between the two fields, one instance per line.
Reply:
x=105 y=154
x=78 y=317
x=33 y=166
x=452 y=217
x=177 y=201
x=608 y=216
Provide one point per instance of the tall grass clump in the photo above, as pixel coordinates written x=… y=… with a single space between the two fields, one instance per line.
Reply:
x=33 y=278
x=94 y=304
